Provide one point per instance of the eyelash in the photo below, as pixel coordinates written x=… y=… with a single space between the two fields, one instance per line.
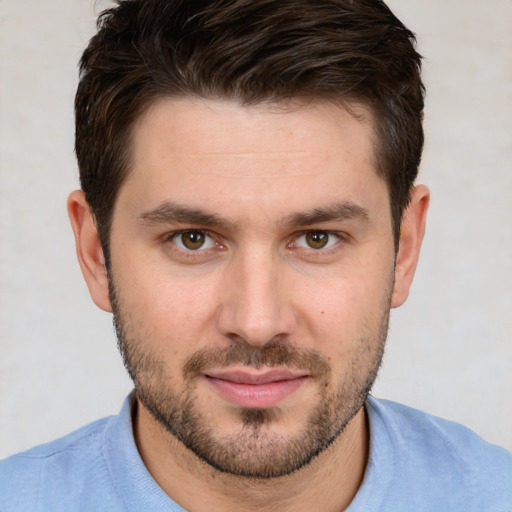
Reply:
x=217 y=245
x=174 y=235
x=330 y=244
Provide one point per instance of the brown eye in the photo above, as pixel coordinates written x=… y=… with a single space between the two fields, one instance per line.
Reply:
x=192 y=240
x=317 y=239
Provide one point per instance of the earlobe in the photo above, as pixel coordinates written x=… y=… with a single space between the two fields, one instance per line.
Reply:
x=88 y=249
x=411 y=237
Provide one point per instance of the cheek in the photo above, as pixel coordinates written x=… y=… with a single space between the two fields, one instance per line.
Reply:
x=168 y=313
x=345 y=308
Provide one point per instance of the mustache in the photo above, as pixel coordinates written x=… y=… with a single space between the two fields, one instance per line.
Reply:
x=275 y=353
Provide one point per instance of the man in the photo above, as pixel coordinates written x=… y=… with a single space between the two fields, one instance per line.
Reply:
x=249 y=215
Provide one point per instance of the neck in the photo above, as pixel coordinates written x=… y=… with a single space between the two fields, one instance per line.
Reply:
x=328 y=483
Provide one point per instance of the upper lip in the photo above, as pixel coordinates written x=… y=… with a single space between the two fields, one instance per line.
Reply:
x=249 y=377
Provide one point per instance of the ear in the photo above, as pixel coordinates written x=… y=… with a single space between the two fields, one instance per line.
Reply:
x=411 y=236
x=88 y=249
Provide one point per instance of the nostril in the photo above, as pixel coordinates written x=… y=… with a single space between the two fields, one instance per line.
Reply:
x=252 y=327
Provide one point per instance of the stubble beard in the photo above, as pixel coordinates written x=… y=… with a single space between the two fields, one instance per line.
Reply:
x=254 y=450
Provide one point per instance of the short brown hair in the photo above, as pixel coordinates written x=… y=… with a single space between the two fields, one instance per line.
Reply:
x=249 y=51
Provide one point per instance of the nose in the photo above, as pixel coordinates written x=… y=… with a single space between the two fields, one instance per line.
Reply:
x=256 y=304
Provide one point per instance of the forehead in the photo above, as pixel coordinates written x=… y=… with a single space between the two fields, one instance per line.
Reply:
x=227 y=127
x=207 y=150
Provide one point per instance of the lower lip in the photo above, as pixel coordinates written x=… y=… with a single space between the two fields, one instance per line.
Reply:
x=256 y=396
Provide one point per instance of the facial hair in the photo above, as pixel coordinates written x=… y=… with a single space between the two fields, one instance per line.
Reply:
x=255 y=450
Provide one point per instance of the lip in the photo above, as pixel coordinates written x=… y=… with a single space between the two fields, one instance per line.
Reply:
x=255 y=390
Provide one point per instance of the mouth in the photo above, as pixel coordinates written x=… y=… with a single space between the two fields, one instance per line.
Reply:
x=255 y=389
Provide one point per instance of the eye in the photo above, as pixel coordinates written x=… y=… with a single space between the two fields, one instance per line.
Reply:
x=317 y=240
x=192 y=240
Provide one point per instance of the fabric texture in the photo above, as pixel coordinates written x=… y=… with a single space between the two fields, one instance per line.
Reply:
x=417 y=462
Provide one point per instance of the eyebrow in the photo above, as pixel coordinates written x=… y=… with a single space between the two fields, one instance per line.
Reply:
x=335 y=212
x=172 y=213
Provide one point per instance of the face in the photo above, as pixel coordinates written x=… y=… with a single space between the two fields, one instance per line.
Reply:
x=252 y=269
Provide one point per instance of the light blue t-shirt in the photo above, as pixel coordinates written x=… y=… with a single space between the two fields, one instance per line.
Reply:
x=417 y=463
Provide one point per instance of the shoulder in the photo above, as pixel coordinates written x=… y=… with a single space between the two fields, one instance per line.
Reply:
x=69 y=442
x=62 y=447
x=429 y=451
x=427 y=431
x=57 y=467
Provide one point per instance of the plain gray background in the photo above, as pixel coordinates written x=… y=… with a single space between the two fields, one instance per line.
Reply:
x=450 y=347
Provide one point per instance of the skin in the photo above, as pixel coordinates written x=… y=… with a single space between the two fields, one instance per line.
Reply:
x=263 y=171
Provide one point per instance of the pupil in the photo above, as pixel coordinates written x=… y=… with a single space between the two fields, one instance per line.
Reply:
x=193 y=239
x=317 y=240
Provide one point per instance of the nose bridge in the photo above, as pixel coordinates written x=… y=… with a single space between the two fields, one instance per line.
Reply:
x=256 y=307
